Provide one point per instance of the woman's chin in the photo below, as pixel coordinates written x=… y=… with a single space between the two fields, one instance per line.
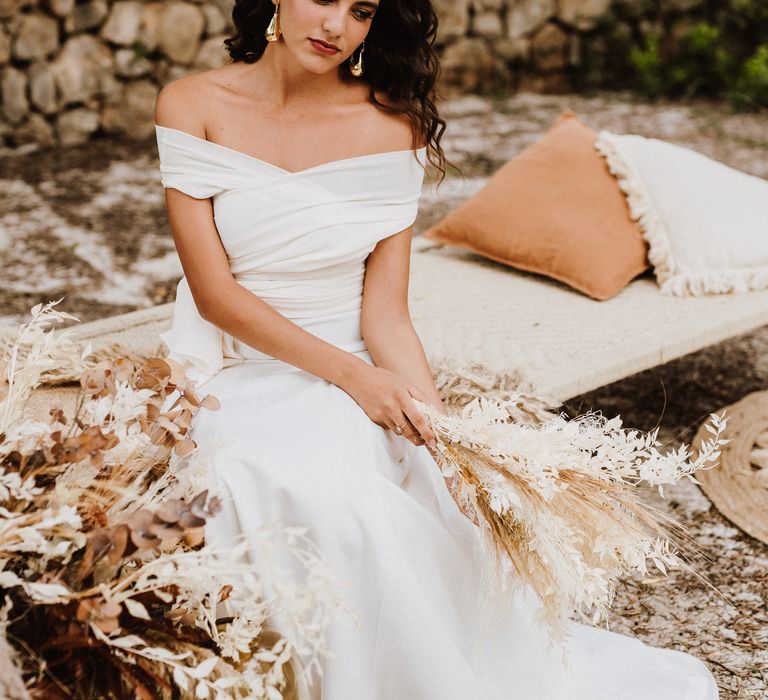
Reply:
x=320 y=66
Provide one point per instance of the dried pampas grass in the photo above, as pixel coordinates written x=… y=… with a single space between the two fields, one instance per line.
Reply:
x=556 y=499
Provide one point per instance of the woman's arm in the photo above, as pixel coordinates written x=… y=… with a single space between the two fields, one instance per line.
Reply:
x=386 y=321
x=387 y=328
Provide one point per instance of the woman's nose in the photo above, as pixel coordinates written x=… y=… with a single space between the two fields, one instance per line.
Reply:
x=334 y=21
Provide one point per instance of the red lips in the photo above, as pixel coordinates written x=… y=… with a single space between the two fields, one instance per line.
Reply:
x=326 y=44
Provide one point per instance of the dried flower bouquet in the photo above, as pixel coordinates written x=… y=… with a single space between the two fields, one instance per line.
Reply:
x=106 y=587
x=556 y=499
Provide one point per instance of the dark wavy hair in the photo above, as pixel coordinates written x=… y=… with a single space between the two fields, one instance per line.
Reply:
x=400 y=61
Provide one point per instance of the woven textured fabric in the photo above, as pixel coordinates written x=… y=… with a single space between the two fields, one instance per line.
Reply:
x=468 y=308
x=738 y=486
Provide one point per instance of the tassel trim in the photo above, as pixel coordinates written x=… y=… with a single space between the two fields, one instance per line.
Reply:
x=670 y=277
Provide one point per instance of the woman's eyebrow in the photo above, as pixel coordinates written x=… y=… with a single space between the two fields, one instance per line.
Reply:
x=371 y=5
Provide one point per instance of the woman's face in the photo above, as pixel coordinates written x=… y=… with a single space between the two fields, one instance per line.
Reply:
x=343 y=23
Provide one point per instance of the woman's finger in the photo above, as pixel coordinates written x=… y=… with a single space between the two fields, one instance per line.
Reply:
x=419 y=422
x=413 y=435
x=417 y=393
x=401 y=422
x=408 y=431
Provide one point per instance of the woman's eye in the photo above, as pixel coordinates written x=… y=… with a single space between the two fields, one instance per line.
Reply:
x=362 y=15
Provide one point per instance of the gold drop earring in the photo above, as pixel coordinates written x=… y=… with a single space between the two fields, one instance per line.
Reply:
x=273 y=30
x=356 y=68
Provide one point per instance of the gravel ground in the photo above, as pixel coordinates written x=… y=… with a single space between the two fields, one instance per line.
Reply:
x=88 y=223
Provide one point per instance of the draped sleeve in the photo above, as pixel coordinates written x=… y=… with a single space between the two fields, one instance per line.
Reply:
x=187 y=165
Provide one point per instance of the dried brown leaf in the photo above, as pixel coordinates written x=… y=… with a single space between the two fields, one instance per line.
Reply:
x=171 y=510
x=184 y=447
x=211 y=403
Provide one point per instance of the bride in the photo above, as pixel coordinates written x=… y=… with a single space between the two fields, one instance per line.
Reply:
x=292 y=179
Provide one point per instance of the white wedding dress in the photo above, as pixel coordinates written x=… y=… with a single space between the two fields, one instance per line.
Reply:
x=293 y=448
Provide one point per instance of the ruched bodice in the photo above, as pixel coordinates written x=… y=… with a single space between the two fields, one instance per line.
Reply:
x=297 y=240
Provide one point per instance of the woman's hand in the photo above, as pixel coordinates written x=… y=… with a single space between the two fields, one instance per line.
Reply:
x=387 y=398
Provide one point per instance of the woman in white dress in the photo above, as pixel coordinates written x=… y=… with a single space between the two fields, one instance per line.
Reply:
x=292 y=180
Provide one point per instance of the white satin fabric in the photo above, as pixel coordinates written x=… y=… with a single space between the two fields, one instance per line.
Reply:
x=289 y=447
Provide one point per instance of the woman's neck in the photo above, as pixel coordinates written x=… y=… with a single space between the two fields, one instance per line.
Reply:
x=285 y=84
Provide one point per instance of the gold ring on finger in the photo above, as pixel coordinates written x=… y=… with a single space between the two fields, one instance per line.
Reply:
x=399 y=429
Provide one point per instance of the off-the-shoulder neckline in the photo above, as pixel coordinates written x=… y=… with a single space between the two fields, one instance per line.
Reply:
x=283 y=170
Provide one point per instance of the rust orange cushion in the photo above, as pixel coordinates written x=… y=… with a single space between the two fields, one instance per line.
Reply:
x=555 y=210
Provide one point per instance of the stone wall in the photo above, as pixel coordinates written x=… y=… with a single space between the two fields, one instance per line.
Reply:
x=553 y=45
x=72 y=68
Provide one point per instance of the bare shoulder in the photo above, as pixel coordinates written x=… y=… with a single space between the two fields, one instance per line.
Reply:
x=175 y=105
x=181 y=104
x=395 y=127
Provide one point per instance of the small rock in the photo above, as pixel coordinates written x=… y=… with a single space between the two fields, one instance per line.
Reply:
x=180 y=30
x=488 y=24
x=132 y=114
x=225 y=6
x=130 y=65
x=42 y=87
x=212 y=54
x=215 y=22
x=37 y=37
x=514 y=50
x=453 y=19
x=86 y=16
x=549 y=47
x=109 y=86
x=526 y=16
x=122 y=26
x=10 y=8
x=60 y=8
x=467 y=63
x=81 y=68
x=76 y=125
x=35 y=130
x=13 y=88
x=583 y=14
